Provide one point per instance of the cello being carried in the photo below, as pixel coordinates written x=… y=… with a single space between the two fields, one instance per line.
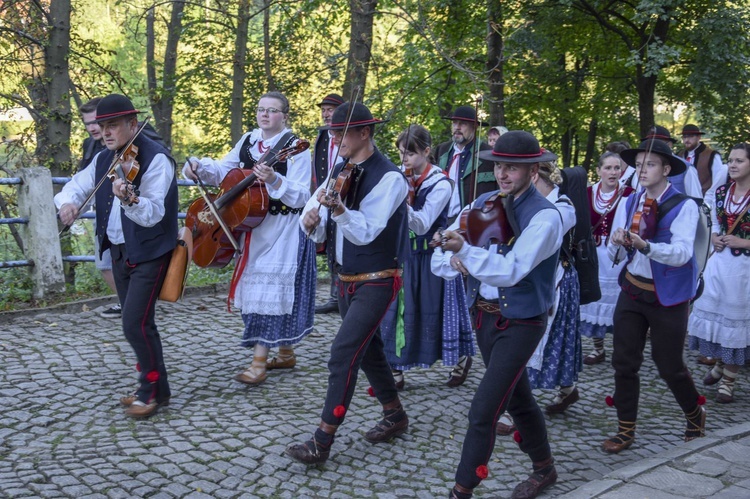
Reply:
x=240 y=205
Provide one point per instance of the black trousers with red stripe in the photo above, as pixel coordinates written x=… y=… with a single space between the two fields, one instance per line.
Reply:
x=506 y=346
x=358 y=344
x=636 y=312
x=138 y=288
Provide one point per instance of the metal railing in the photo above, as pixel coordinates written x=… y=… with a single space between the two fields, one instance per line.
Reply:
x=88 y=215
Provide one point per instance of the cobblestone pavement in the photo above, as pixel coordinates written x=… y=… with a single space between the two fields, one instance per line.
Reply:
x=63 y=434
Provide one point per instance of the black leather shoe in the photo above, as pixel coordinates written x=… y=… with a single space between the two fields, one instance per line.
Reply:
x=534 y=485
x=328 y=307
x=386 y=430
x=309 y=452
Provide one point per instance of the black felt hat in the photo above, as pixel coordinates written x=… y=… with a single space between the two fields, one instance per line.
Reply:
x=659 y=147
x=360 y=116
x=334 y=100
x=114 y=106
x=692 y=130
x=465 y=113
x=517 y=146
x=659 y=132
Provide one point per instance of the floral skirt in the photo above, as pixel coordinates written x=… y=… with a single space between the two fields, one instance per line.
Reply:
x=562 y=359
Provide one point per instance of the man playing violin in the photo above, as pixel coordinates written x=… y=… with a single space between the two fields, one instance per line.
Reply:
x=367 y=220
x=511 y=289
x=658 y=282
x=139 y=228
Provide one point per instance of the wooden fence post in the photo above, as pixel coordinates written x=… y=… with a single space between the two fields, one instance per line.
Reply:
x=40 y=235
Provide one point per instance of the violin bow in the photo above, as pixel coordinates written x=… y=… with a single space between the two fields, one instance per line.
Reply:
x=352 y=101
x=214 y=211
x=477 y=143
x=111 y=168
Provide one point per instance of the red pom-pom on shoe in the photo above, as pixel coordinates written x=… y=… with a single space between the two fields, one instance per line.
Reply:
x=339 y=411
x=701 y=400
x=517 y=437
x=138 y=366
x=610 y=401
x=482 y=471
x=370 y=392
x=152 y=376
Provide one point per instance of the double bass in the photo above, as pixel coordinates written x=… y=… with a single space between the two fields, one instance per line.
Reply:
x=241 y=204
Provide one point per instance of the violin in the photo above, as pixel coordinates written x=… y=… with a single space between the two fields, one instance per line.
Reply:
x=486 y=224
x=341 y=184
x=409 y=174
x=126 y=167
x=644 y=220
x=240 y=205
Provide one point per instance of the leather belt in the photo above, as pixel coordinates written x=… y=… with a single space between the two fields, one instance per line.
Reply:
x=370 y=276
x=646 y=286
x=488 y=306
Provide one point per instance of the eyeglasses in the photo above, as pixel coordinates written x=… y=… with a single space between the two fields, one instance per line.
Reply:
x=269 y=110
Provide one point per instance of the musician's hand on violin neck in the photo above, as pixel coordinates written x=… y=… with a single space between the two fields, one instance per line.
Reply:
x=332 y=201
x=311 y=220
x=620 y=237
x=452 y=241
x=68 y=213
x=265 y=173
x=124 y=191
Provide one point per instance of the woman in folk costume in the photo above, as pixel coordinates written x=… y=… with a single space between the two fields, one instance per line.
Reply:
x=557 y=359
x=604 y=196
x=719 y=324
x=430 y=319
x=274 y=279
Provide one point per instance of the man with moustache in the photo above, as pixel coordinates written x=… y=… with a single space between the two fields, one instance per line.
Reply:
x=471 y=175
x=711 y=172
x=324 y=157
x=138 y=223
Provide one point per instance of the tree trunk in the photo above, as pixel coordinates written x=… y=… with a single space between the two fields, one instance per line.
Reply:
x=271 y=82
x=495 y=63
x=56 y=129
x=238 y=71
x=162 y=101
x=591 y=145
x=360 y=45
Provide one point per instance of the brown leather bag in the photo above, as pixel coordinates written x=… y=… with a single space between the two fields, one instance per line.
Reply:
x=177 y=272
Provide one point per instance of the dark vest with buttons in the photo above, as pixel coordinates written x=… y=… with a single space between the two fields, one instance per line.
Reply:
x=320 y=160
x=142 y=243
x=275 y=207
x=388 y=249
x=535 y=293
